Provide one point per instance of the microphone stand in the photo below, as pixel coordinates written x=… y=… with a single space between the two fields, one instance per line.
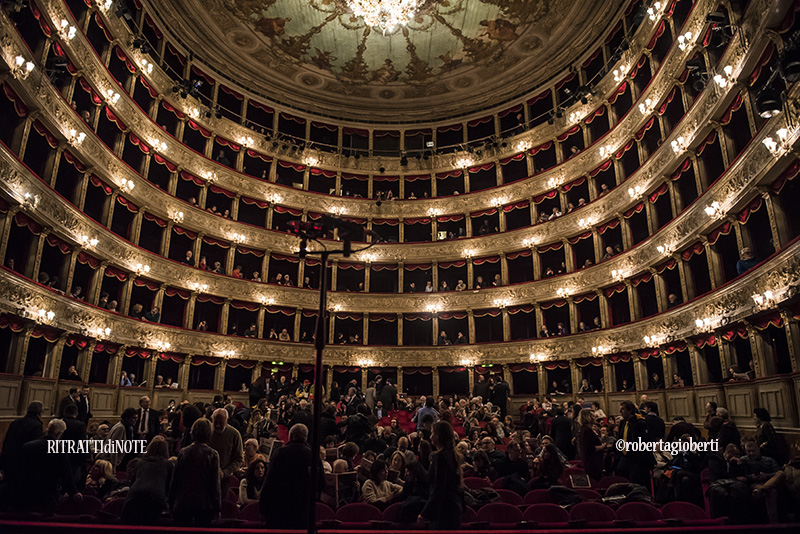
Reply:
x=319 y=345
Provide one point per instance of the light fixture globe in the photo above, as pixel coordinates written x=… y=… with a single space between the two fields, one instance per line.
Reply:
x=385 y=14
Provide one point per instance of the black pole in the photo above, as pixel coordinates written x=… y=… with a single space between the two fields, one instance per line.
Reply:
x=319 y=345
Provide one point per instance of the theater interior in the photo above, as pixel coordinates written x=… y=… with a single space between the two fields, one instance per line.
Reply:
x=534 y=208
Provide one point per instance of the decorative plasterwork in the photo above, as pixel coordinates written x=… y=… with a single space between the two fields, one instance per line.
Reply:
x=313 y=55
x=729 y=304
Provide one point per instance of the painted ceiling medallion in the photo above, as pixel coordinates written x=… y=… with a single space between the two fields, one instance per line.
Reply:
x=507 y=47
x=385 y=14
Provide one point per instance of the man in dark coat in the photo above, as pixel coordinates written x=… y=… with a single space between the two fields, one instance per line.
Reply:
x=633 y=465
x=561 y=431
x=481 y=389
x=388 y=396
x=147 y=422
x=84 y=409
x=47 y=476
x=71 y=398
x=284 y=496
x=76 y=431
x=655 y=425
x=358 y=427
x=500 y=394
x=20 y=432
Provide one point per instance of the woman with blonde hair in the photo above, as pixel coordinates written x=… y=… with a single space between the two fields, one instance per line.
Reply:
x=100 y=480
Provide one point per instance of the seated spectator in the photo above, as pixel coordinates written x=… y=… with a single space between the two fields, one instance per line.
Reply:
x=377 y=490
x=256 y=277
x=442 y=340
x=544 y=332
x=217 y=268
x=677 y=381
x=608 y=253
x=759 y=469
x=416 y=491
x=460 y=286
x=100 y=480
x=747 y=261
x=443 y=286
x=237 y=272
x=189 y=259
x=250 y=486
x=284 y=335
x=461 y=339
x=547 y=468
x=137 y=311
x=429 y=287
x=203 y=265
x=513 y=465
x=153 y=316
x=673 y=300
x=77 y=293
x=598 y=412
x=766 y=438
x=603 y=190
x=287 y=281
x=656 y=382
x=554 y=214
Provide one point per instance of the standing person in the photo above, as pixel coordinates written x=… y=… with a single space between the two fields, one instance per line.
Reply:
x=70 y=399
x=147 y=427
x=591 y=450
x=388 y=396
x=123 y=430
x=481 y=388
x=766 y=439
x=227 y=441
x=84 y=410
x=446 y=501
x=500 y=395
x=370 y=395
x=656 y=428
x=147 y=496
x=20 y=432
x=284 y=497
x=428 y=409
x=195 y=495
x=633 y=465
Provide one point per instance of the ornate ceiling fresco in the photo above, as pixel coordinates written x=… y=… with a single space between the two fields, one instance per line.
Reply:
x=455 y=55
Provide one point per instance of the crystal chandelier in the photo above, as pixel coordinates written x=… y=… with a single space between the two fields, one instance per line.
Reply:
x=384 y=14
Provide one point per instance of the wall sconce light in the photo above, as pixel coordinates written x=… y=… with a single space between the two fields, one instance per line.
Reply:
x=99 y=333
x=246 y=141
x=600 y=350
x=587 y=223
x=654 y=12
x=162 y=346
x=764 y=300
x=434 y=307
x=176 y=216
x=468 y=252
x=29 y=201
x=529 y=242
x=538 y=357
x=104 y=5
x=87 y=242
x=194 y=113
x=112 y=96
x=159 y=145
x=337 y=210
x=463 y=162
x=22 y=69
x=780 y=147
x=619 y=276
x=369 y=258
x=715 y=211
x=496 y=201
x=605 y=151
x=665 y=249
x=311 y=161
x=684 y=41
x=646 y=107
x=679 y=145
x=275 y=198
x=553 y=182
x=146 y=66
x=142 y=269
x=75 y=138
x=636 y=192
x=575 y=117
x=365 y=362
x=501 y=303
x=619 y=74
x=66 y=31
x=238 y=238
x=563 y=292
x=127 y=186
x=522 y=146
x=199 y=287
x=706 y=325
x=228 y=354
x=336 y=307
x=268 y=301
x=723 y=80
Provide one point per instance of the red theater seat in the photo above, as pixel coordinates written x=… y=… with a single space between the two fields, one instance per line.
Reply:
x=606 y=482
x=251 y=512
x=89 y=505
x=500 y=515
x=510 y=497
x=594 y=514
x=538 y=496
x=324 y=512
x=394 y=513
x=113 y=507
x=565 y=480
x=477 y=483
x=642 y=514
x=469 y=516
x=358 y=515
x=588 y=494
x=689 y=514
x=229 y=510
x=547 y=515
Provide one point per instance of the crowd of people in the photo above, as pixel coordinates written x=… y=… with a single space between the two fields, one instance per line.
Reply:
x=389 y=448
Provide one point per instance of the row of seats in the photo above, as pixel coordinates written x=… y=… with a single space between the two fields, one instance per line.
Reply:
x=494 y=515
